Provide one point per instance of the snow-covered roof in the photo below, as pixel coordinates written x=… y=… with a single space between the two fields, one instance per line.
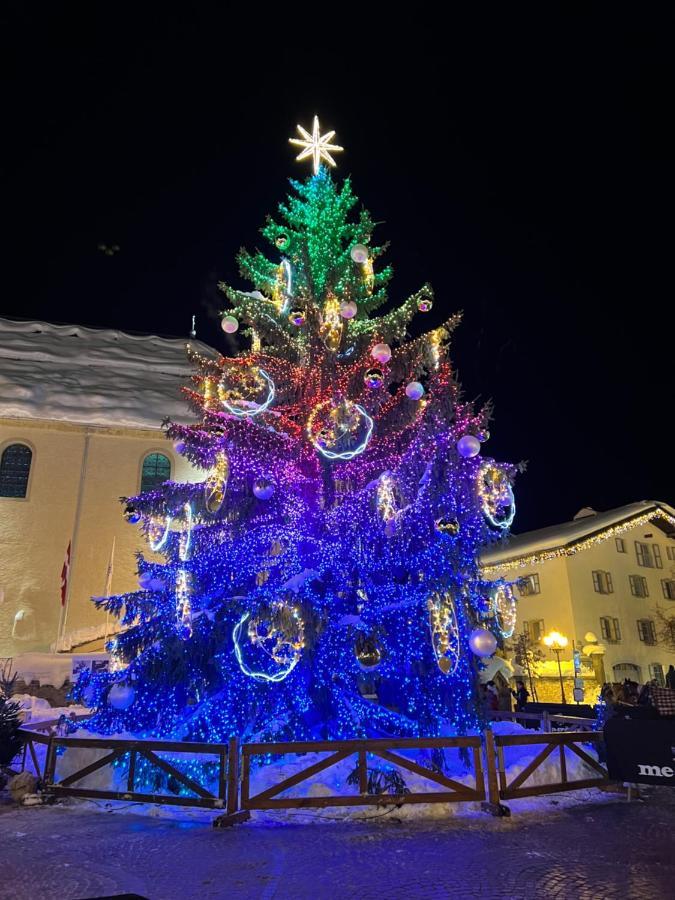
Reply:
x=544 y=543
x=92 y=376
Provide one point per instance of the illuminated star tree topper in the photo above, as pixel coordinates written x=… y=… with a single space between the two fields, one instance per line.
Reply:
x=316 y=145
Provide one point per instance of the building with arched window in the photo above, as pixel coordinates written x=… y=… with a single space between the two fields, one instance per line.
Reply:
x=80 y=426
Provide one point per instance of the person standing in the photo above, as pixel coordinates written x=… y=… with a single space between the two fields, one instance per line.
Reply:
x=670 y=678
x=520 y=694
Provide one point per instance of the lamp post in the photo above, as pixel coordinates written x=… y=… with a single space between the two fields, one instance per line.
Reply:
x=557 y=642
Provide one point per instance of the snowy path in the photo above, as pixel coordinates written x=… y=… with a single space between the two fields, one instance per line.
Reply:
x=599 y=848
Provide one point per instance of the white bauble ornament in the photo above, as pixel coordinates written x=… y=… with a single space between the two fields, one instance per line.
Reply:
x=179 y=447
x=121 y=696
x=482 y=642
x=414 y=390
x=348 y=309
x=145 y=580
x=263 y=489
x=468 y=445
x=359 y=253
x=156 y=584
x=229 y=324
x=381 y=352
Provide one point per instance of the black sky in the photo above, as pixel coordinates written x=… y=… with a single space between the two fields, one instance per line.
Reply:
x=521 y=160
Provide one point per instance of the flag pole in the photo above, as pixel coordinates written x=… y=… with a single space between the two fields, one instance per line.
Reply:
x=108 y=587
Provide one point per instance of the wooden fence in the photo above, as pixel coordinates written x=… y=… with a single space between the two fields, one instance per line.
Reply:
x=545 y=721
x=234 y=796
x=500 y=789
x=382 y=749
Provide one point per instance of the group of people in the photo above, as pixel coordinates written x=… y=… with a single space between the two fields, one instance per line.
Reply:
x=629 y=698
x=494 y=698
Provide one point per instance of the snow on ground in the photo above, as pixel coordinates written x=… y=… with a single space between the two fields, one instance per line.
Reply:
x=35 y=709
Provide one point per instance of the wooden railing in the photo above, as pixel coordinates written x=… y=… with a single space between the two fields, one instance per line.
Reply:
x=235 y=797
x=546 y=721
x=562 y=740
x=339 y=750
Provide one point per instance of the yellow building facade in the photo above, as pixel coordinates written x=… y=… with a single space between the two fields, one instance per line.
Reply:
x=607 y=582
x=80 y=427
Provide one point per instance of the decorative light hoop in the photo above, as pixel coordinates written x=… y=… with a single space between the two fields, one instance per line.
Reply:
x=259 y=676
x=450 y=627
x=183 y=604
x=186 y=536
x=157 y=545
x=255 y=410
x=215 y=485
x=489 y=501
x=504 y=609
x=346 y=454
x=285 y=281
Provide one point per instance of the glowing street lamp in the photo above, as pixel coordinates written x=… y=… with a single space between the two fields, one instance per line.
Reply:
x=557 y=642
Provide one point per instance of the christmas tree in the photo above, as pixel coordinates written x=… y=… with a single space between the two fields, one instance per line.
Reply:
x=321 y=579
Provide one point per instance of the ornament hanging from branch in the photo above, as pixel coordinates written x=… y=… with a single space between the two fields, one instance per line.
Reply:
x=444 y=632
x=368 y=651
x=278 y=636
x=504 y=609
x=246 y=394
x=339 y=430
x=215 y=486
x=496 y=495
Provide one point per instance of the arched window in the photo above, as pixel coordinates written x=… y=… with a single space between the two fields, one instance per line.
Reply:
x=156 y=469
x=15 y=470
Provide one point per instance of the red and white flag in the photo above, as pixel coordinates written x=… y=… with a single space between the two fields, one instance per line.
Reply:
x=65 y=574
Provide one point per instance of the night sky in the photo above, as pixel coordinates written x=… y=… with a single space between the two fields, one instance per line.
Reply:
x=521 y=161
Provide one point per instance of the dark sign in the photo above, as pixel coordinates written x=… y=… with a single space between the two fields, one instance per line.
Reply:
x=641 y=751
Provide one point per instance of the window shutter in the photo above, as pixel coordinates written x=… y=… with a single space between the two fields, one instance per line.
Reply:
x=596 y=581
x=617 y=630
x=610 y=586
x=657 y=556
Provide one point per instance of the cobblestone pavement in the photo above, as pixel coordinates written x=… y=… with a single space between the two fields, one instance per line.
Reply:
x=592 y=850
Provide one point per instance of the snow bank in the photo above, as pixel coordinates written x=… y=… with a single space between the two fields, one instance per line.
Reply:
x=35 y=709
x=92 y=376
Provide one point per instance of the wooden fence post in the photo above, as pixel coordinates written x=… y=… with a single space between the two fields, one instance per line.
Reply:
x=50 y=763
x=492 y=804
x=233 y=814
x=546 y=721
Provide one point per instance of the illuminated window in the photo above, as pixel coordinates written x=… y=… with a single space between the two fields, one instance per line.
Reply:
x=534 y=629
x=656 y=674
x=156 y=470
x=620 y=545
x=529 y=585
x=646 y=631
x=15 y=470
x=602 y=582
x=638 y=586
x=610 y=629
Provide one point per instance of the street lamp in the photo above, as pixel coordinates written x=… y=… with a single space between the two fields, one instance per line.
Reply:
x=557 y=642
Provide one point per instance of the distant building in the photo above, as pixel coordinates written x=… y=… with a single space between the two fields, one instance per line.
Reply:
x=598 y=580
x=80 y=426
